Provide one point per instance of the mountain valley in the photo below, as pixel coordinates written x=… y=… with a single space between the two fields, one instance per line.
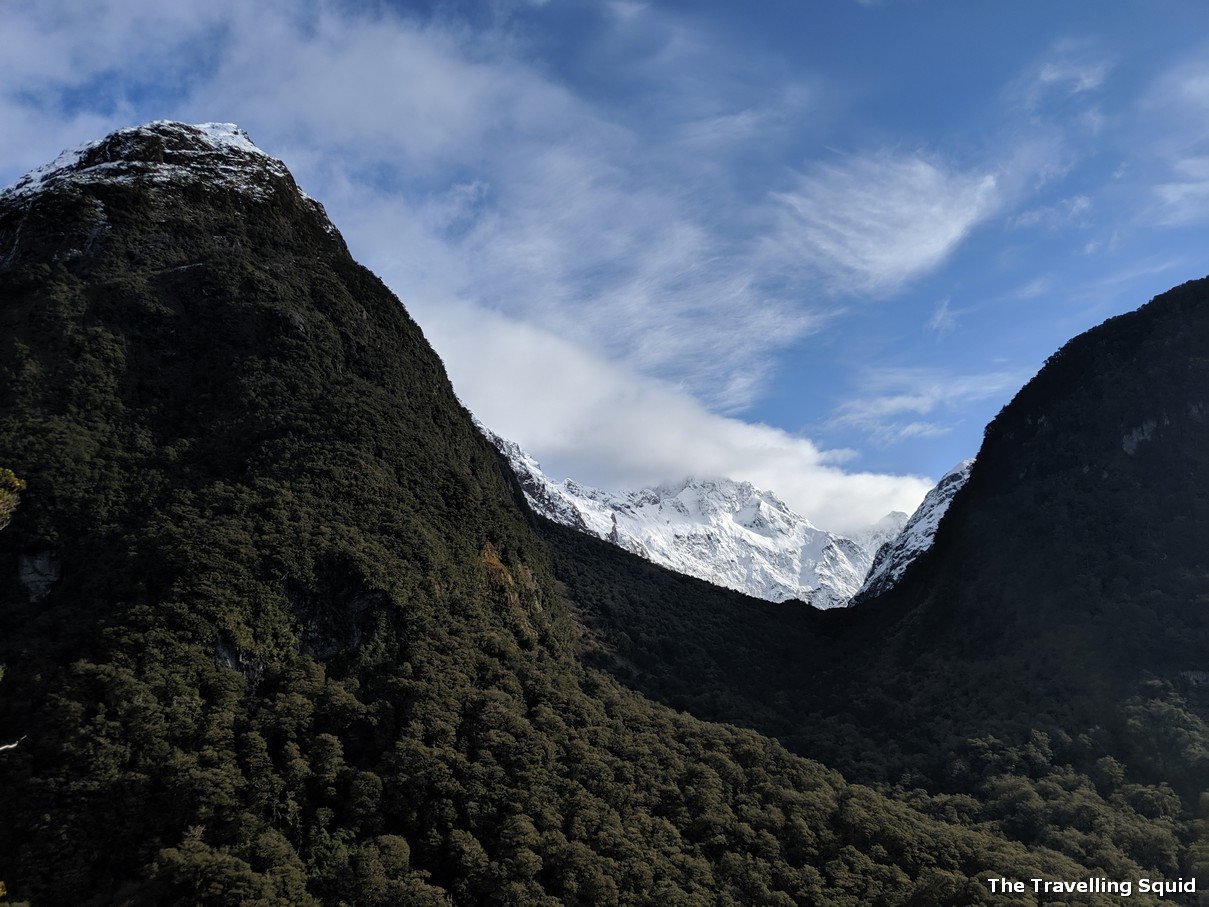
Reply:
x=278 y=627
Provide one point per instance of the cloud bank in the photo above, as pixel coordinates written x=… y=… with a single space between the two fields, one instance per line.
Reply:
x=590 y=415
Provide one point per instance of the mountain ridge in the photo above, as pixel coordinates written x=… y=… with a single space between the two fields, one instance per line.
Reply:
x=916 y=536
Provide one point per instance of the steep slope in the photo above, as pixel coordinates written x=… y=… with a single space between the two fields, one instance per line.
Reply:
x=915 y=537
x=722 y=531
x=277 y=629
x=1075 y=552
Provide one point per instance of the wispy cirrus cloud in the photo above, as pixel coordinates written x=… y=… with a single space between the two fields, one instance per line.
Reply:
x=896 y=404
x=1064 y=213
x=1071 y=69
x=1073 y=77
x=944 y=318
x=1185 y=199
x=1178 y=105
x=870 y=224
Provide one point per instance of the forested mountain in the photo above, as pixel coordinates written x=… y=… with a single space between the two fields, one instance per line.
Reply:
x=1071 y=574
x=278 y=629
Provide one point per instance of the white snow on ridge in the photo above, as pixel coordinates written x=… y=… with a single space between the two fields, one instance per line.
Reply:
x=726 y=532
x=225 y=135
x=893 y=557
x=160 y=152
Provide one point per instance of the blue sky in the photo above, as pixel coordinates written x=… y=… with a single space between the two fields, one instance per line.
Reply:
x=816 y=245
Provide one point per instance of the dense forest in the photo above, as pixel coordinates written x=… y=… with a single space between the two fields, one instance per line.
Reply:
x=278 y=629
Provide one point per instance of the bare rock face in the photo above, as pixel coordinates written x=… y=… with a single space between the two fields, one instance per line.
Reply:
x=38 y=573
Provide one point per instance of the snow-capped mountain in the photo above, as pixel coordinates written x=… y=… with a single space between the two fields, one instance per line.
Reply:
x=916 y=537
x=164 y=154
x=158 y=152
x=726 y=532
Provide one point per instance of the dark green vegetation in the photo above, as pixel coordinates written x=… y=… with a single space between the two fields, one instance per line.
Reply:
x=10 y=495
x=279 y=630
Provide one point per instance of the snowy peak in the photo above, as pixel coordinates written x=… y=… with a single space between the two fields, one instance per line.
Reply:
x=706 y=501
x=895 y=556
x=727 y=532
x=881 y=532
x=160 y=152
x=160 y=161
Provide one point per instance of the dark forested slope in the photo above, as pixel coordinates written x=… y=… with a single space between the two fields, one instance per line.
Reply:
x=1073 y=569
x=277 y=630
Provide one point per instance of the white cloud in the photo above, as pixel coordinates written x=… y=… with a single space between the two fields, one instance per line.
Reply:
x=1186 y=200
x=874 y=223
x=379 y=90
x=1072 y=71
x=1185 y=85
x=1174 y=152
x=561 y=239
x=69 y=72
x=617 y=430
x=944 y=318
x=892 y=400
x=1064 y=213
x=1072 y=77
x=47 y=46
x=626 y=10
x=1038 y=286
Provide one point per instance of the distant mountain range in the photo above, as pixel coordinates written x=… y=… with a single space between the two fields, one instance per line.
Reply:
x=738 y=536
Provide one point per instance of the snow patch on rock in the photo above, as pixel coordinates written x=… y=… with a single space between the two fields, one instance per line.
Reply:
x=162 y=152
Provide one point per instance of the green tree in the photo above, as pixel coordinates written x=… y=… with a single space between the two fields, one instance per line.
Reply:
x=10 y=495
x=10 y=489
